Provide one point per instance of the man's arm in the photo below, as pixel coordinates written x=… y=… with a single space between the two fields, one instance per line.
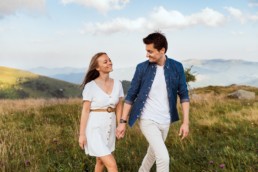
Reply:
x=120 y=131
x=184 y=129
x=131 y=96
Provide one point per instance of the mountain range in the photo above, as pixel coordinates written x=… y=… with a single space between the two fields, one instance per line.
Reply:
x=208 y=72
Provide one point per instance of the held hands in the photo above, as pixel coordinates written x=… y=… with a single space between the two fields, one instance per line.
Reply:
x=82 y=141
x=184 y=129
x=120 y=130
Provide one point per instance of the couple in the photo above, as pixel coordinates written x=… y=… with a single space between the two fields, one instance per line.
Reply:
x=152 y=98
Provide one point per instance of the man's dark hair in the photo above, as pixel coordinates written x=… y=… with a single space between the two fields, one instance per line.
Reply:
x=158 y=39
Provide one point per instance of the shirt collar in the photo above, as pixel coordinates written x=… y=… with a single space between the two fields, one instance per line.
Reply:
x=166 y=63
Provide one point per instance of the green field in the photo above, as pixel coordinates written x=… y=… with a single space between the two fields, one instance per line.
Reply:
x=42 y=135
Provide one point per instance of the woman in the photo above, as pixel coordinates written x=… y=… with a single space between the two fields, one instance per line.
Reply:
x=102 y=99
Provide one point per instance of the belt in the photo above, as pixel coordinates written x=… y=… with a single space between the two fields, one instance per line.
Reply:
x=109 y=110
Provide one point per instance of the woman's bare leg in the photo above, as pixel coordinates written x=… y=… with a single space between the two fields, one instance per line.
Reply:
x=109 y=162
x=99 y=167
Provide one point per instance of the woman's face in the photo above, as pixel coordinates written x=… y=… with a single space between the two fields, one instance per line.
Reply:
x=104 y=64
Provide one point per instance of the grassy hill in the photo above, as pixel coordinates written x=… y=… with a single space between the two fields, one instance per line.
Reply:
x=224 y=90
x=42 y=135
x=15 y=84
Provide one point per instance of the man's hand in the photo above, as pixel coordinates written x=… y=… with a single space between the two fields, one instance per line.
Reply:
x=120 y=130
x=184 y=129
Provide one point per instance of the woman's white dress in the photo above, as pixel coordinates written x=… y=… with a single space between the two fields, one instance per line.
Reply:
x=101 y=126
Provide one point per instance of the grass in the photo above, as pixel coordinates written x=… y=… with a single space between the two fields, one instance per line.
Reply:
x=42 y=135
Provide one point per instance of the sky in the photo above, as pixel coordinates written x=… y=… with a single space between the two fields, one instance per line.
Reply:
x=67 y=33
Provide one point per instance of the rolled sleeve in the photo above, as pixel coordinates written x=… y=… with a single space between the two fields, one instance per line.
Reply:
x=128 y=102
x=182 y=89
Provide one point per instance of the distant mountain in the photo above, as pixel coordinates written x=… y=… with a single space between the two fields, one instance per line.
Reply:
x=15 y=84
x=208 y=72
x=76 y=76
x=55 y=71
x=223 y=72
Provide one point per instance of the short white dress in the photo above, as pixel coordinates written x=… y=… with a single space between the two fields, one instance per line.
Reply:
x=101 y=126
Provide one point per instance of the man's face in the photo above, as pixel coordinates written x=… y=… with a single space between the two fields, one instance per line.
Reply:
x=153 y=54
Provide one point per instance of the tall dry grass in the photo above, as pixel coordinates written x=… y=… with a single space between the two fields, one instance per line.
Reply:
x=8 y=106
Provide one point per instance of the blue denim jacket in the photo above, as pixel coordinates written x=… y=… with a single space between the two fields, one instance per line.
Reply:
x=142 y=82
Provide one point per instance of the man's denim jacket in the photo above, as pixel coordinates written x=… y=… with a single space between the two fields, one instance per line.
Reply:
x=142 y=82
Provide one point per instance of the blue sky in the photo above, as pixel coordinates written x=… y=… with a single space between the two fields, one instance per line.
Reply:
x=67 y=33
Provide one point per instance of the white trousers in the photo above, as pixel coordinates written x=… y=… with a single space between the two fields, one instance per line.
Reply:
x=156 y=135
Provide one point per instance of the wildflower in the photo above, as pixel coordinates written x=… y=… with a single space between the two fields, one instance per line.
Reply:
x=222 y=165
x=27 y=163
x=211 y=162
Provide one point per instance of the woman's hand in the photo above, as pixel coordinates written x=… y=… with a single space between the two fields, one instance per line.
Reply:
x=82 y=141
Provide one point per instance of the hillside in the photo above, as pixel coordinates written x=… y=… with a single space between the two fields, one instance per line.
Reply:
x=15 y=84
x=223 y=90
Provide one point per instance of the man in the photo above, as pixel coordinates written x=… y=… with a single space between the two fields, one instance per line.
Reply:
x=152 y=98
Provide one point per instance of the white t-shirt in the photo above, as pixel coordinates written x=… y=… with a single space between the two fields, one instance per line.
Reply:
x=156 y=107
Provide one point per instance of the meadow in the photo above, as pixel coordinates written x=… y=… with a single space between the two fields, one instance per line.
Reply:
x=41 y=135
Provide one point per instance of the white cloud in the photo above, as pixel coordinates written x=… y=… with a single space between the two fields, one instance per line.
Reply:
x=101 y=5
x=239 y=15
x=159 y=18
x=236 y=13
x=174 y=19
x=166 y=19
x=8 y=7
x=116 y=25
x=207 y=17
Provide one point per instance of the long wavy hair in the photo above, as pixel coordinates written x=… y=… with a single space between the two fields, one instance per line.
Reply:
x=92 y=73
